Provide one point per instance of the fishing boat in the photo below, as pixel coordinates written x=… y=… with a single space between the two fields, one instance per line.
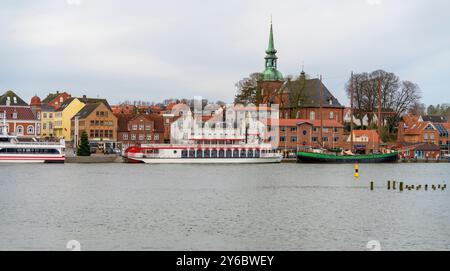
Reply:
x=310 y=157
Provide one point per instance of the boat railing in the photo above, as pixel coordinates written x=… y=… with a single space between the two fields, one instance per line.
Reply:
x=207 y=146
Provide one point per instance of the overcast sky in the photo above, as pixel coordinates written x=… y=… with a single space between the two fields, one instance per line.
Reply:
x=151 y=50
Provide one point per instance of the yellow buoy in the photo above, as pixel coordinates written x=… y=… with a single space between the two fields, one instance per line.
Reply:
x=356 y=171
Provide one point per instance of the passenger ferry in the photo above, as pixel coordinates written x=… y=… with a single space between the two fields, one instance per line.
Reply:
x=202 y=154
x=13 y=151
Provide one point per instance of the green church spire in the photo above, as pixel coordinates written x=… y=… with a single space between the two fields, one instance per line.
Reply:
x=271 y=73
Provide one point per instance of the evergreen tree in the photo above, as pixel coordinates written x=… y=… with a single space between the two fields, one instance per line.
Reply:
x=84 y=148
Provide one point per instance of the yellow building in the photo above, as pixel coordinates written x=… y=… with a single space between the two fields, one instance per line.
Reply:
x=47 y=122
x=63 y=116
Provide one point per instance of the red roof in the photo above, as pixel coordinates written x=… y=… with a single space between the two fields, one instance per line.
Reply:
x=315 y=123
x=23 y=113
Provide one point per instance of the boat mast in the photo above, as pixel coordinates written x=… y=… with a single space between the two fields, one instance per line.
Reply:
x=379 y=113
x=351 y=113
x=321 y=112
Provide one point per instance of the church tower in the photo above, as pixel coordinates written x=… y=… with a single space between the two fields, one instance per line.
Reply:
x=271 y=79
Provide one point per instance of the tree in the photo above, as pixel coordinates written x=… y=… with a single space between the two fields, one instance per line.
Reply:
x=397 y=97
x=247 y=90
x=84 y=148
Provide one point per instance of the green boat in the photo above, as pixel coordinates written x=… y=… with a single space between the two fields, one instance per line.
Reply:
x=309 y=157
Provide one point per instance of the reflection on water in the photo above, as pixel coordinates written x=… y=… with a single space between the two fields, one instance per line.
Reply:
x=221 y=207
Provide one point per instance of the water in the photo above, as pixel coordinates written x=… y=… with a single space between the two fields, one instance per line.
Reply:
x=221 y=207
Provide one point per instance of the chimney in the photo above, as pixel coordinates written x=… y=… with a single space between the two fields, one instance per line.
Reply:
x=57 y=92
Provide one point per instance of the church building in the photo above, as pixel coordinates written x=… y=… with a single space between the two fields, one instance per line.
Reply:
x=298 y=98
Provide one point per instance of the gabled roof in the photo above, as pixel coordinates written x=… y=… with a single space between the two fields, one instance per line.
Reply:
x=23 y=113
x=14 y=99
x=309 y=92
x=86 y=110
x=295 y=122
x=50 y=97
x=95 y=100
x=435 y=118
x=65 y=104
x=122 y=121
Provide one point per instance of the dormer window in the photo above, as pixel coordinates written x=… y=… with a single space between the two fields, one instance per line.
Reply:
x=14 y=115
x=15 y=99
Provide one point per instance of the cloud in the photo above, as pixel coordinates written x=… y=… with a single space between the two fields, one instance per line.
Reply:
x=374 y=2
x=74 y=2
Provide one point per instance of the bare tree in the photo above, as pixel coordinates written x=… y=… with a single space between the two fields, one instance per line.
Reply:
x=247 y=89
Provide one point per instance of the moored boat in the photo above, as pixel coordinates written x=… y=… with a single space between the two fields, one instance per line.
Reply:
x=202 y=154
x=310 y=157
x=14 y=151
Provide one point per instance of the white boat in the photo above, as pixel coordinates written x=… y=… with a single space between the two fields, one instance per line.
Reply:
x=202 y=154
x=14 y=151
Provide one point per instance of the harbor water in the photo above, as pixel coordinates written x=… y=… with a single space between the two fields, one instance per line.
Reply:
x=222 y=207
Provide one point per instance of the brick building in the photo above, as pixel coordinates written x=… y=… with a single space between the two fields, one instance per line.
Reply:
x=365 y=141
x=20 y=119
x=134 y=130
x=302 y=134
x=99 y=123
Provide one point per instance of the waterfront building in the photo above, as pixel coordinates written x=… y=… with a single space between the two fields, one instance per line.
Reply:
x=298 y=98
x=18 y=116
x=365 y=141
x=304 y=134
x=135 y=130
x=416 y=131
x=47 y=122
x=100 y=124
x=56 y=99
x=62 y=122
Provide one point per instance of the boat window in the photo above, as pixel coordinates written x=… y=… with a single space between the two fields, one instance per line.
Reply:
x=221 y=154
x=207 y=154
x=257 y=153
x=229 y=153
x=199 y=154
x=214 y=154
x=250 y=154
x=184 y=154
x=243 y=153
x=235 y=154
x=191 y=154
x=29 y=151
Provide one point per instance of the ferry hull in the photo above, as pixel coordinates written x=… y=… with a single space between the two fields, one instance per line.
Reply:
x=35 y=160
x=319 y=158
x=268 y=160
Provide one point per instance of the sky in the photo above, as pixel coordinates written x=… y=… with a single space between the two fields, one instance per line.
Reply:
x=151 y=50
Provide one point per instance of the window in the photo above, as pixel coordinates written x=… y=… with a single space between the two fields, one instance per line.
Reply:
x=431 y=136
x=325 y=130
x=293 y=129
x=312 y=115
x=125 y=136
x=325 y=139
x=30 y=129
x=149 y=137
x=141 y=127
x=20 y=130
x=92 y=123
x=148 y=127
x=331 y=115
x=14 y=115
x=283 y=128
x=336 y=130
x=305 y=132
x=316 y=129
x=141 y=137
x=425 y=136
x=336 y=139
x=50 y=125
x=315 y=139
x=50 y=115
x=282 y=139
x=156 y=137
x=293 y=139
x=134 y=127
x=44 y=126
x=133 y=137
